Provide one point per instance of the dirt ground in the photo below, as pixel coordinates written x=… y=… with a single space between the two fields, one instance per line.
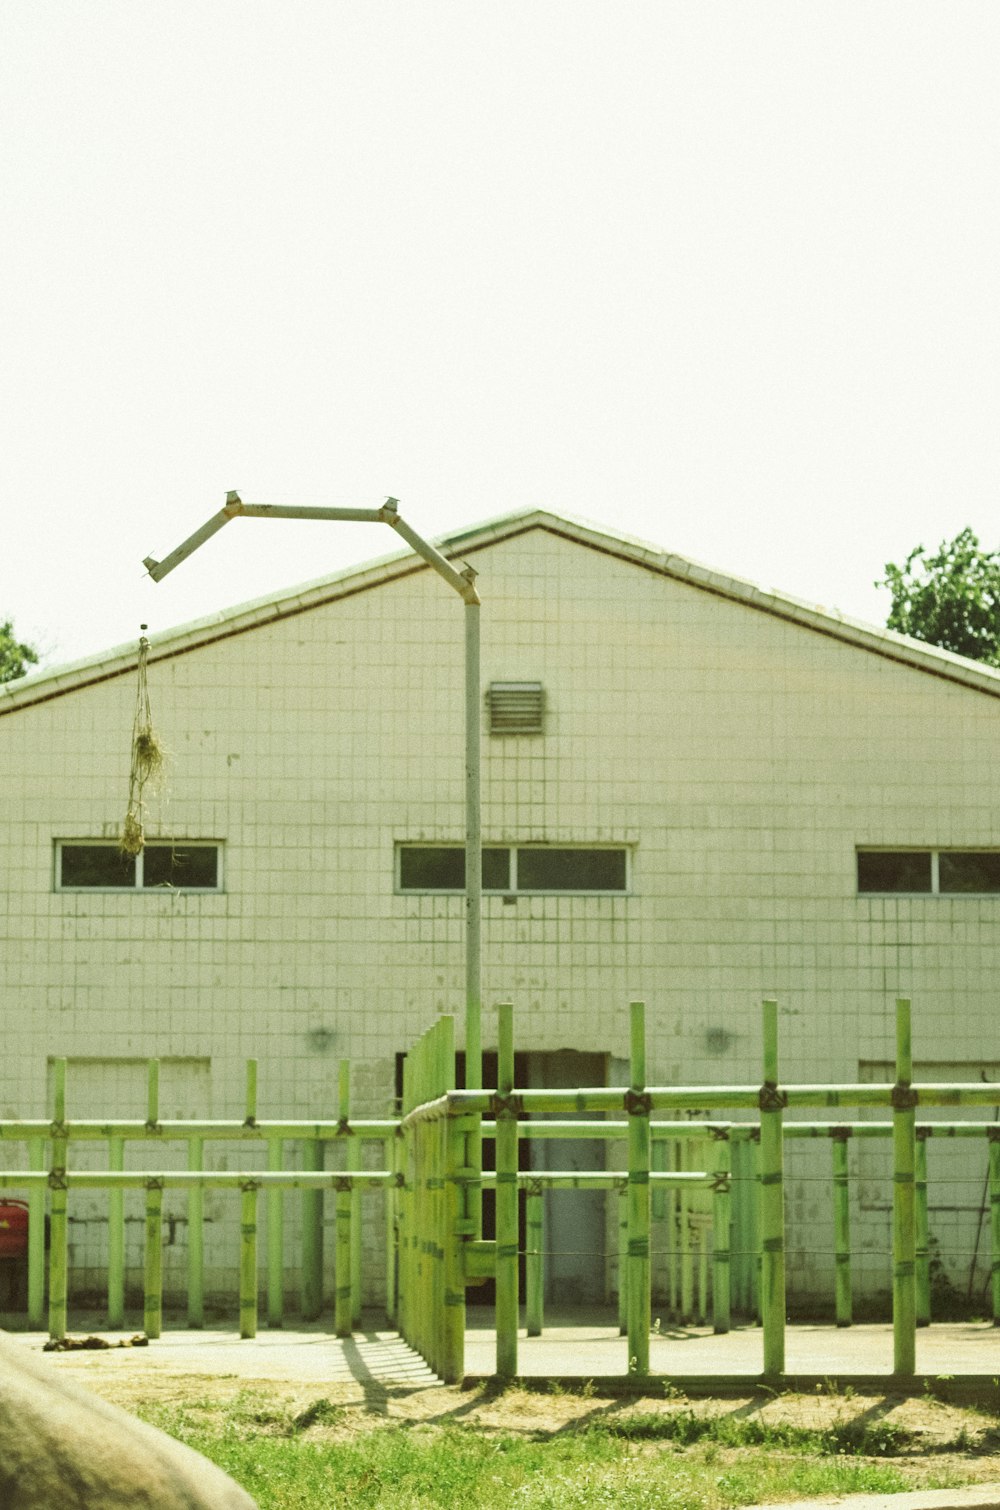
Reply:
x=939 y=1436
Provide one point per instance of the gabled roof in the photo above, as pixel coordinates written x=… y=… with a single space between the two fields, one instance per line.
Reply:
x=121 y=659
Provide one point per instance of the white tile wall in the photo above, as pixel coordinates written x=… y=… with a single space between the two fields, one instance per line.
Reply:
x=743 y=756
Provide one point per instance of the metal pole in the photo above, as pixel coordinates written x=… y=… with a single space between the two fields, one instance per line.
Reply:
x=463 y=582
x=772 y=1205
x=473 y=1198
x=904 y=1100
x=473 y=856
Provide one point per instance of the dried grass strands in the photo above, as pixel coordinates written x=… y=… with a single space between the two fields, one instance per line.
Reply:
x=148 y=761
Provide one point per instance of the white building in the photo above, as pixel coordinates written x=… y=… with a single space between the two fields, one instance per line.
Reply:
x=729 y=794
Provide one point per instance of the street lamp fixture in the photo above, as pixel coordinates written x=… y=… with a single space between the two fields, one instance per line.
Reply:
x=463 y=582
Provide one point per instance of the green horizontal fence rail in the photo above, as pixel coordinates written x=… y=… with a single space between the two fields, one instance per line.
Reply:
x=681 y=1178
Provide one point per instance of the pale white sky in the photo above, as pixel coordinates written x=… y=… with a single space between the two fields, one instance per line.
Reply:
x=723 y=276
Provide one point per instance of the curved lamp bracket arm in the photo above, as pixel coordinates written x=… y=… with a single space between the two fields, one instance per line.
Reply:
x=462 y=582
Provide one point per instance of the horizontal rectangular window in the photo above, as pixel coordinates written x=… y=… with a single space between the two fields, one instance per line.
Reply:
x=969 y=870
x=884 y=870
x=515 y=868
x=941 y=872
x=179 y=866
x=571 y=870
x=435 y=867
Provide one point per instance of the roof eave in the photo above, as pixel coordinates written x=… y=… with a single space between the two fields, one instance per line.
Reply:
x=57 y=681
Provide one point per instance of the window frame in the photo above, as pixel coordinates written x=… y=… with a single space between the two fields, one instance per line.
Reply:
x=137 y=887
x=513 y=889
x=935 y=867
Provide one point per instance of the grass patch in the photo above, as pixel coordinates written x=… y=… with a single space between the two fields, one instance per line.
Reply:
x=685 y=1427
x=309 y=1458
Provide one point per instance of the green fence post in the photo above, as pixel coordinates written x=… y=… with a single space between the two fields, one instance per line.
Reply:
x=352 y=1164
x=772 y=1205
x=275 y=1239
x=842 y=1296
x=637 y=1104
x=342 y=1242
x=116 y=1237
x=506 y=1199
x=58 y=1252
x=742 y=1197
x=390 y=1161
x=425 y=1245
x=904 y=1100
x=152 y=1305
x=452 y=1350
x=756 y=1238
x=248 y=1259
x=673 y=1239
x=422 y=1245
x=36 y=1238
x=534 y=1265
x=658 y=1163
x=922 y=1247
x=251 y=1099
x=721 y=1225
x=621 y=1199
x=994 y=1146
x=684 y=1239
x=313 y=1155
x=438 y=1137
x=702 y=1273
x=357 y=1195
x=404 y=1212
x=196 y=1238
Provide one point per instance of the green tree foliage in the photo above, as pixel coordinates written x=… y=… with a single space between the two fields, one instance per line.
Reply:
x=951 y=599
x=15 y=658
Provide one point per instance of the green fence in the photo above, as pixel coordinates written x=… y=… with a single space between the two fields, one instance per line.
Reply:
x=716 y=1187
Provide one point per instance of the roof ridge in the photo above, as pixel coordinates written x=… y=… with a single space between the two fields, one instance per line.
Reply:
x=53 y=681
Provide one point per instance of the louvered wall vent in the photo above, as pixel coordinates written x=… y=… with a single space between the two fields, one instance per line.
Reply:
x=515 y=707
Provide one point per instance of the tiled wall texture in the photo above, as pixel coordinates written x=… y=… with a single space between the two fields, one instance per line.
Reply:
x=742 y=756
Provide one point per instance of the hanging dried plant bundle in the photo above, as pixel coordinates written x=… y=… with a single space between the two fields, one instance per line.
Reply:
x=148 y=760
x=149 y=754
x=131 y=840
